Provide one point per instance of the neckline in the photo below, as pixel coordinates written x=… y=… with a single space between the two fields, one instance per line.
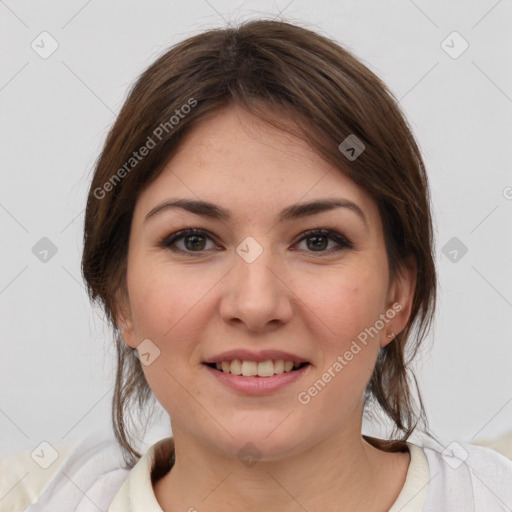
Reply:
x=410 y=499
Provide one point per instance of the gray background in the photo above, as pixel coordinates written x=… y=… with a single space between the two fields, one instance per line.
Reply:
x=56 y=365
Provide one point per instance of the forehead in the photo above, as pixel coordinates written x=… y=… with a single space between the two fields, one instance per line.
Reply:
x=236 y=160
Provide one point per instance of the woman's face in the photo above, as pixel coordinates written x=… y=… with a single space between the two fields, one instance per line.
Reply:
x=252 y=291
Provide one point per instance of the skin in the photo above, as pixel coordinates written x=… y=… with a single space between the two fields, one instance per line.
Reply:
x=293 y=297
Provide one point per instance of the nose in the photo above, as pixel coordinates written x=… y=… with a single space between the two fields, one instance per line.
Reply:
x=256 y=294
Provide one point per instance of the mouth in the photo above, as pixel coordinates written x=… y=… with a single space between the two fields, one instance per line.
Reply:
x=262 y=369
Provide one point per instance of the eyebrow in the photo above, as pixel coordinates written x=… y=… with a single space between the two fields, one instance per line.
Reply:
x=295 y=211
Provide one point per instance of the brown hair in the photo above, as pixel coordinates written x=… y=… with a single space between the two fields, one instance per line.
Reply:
x=267 y=67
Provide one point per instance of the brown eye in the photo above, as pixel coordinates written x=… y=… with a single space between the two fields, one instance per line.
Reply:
x=317 y=240
x=191 y=241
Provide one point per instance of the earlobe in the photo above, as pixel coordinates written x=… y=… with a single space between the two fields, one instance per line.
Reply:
x=123 y=318
x=127 y=331
x=400 y=299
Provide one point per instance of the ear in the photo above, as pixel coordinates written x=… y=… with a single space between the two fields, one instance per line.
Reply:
x=400 y=298
x=124 y=318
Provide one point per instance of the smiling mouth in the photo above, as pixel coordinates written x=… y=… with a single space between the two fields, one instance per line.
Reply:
x=267 y=368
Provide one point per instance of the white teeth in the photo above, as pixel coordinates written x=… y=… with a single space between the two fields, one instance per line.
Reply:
x=236 y=367
x=249 y=368
x=266 y=368
x=252 y=368
x=279 y=366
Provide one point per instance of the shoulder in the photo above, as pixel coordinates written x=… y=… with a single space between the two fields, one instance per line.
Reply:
x=502 y=444
x=463 y=476
x=61 y=476
x=24 y=474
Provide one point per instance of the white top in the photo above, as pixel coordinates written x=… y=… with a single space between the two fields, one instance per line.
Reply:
x=87 y=477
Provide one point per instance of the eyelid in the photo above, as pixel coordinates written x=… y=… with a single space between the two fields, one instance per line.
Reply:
x=342 y=241
x=169 y=240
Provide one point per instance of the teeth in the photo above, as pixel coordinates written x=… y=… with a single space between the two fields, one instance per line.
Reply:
x=279 y=366
x=249 y=368
x=266 y=369
x=252 y=368
x=236 y=367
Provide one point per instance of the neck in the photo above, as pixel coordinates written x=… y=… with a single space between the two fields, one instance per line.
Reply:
x=346 y=470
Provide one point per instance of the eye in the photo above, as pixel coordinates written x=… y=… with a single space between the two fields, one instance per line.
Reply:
x=317 y=240
x=194 y=240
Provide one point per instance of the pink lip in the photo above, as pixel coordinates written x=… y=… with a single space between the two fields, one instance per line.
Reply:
x=257 y=385
x=248 y=355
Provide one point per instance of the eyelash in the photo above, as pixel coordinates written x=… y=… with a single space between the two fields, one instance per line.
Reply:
x=343 y=243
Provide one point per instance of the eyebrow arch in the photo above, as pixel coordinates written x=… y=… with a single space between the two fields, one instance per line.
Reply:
x=295 y=211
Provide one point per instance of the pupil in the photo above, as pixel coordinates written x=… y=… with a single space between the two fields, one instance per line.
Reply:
x=319 y=242
x=195 y=244
x=322 y=244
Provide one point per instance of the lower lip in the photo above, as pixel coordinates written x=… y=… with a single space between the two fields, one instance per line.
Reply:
x=258 y=385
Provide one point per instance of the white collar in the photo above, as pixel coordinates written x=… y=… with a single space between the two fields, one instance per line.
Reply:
x=137 y=494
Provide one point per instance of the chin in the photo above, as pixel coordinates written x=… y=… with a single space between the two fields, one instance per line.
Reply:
x=258 y=442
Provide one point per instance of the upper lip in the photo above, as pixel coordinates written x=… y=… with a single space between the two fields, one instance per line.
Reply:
x=250 y=355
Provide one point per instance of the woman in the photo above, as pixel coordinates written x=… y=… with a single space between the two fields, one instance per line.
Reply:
x=258 y=231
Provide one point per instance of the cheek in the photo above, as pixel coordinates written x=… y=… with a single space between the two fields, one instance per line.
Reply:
x=348 y=343
x=347 y=303
x=162 y=298
x=166 y=309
